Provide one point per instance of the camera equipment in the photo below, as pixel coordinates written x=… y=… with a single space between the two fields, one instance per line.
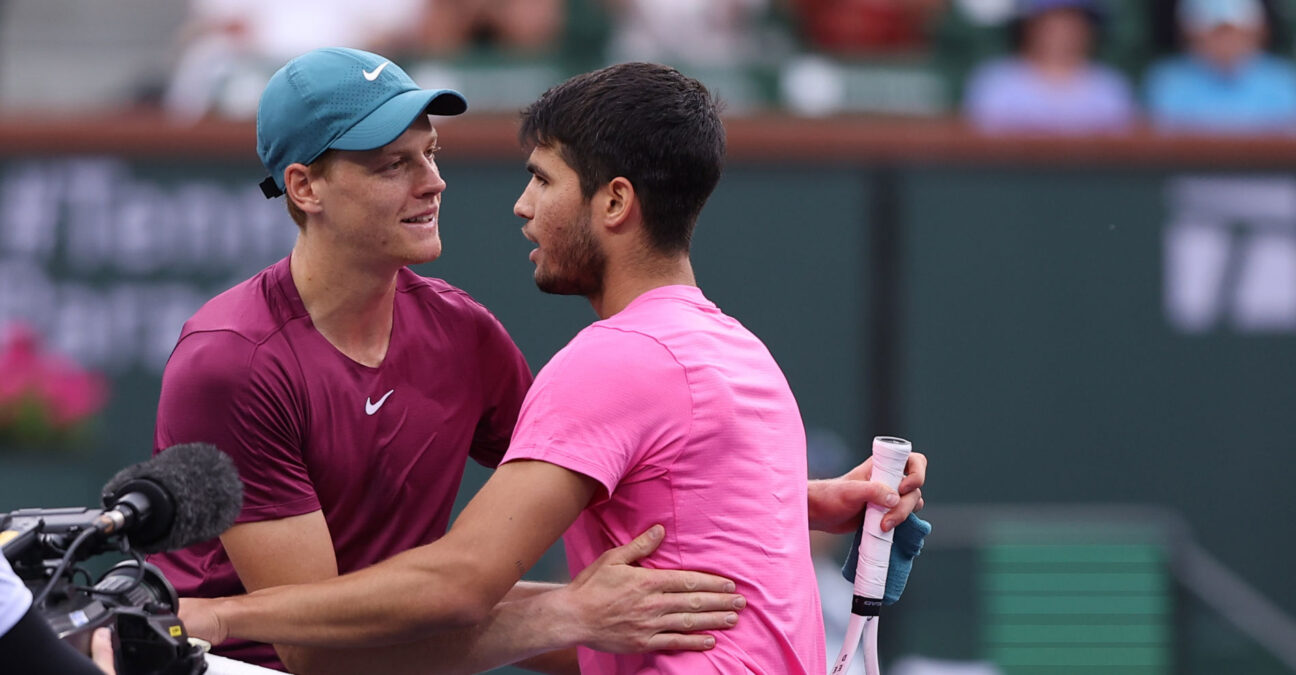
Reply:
x=184 y=495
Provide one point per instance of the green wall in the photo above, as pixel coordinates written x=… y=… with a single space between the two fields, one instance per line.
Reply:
x=1040 y=365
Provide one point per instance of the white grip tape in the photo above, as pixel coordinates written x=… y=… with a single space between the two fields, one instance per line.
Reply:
x=889 y=458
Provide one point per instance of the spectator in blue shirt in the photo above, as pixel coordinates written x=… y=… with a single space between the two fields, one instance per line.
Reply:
x=1052 y=84
x=1225 y=82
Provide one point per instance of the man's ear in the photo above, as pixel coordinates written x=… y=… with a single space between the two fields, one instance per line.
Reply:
x=299 y=187
x=618 y=203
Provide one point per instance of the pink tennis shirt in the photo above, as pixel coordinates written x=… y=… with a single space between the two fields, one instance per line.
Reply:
x=684 y=418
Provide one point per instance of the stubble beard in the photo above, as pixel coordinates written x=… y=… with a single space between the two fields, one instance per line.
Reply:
x=577 y=266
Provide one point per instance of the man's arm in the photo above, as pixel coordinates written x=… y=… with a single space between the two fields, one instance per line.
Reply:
x=299 y=550
x=453 y=583
x=837 y=504
x=294 y=550
x=509 y=635
x=515 y=517
x=611 y=606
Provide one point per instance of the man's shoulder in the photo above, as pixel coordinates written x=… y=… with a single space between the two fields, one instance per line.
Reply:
x=252 y=310
x=609 y=348
x=438 y=294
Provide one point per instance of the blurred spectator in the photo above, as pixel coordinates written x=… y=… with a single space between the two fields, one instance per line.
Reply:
x=1225 y=82
x=1052 y=84
x=865 y=27
x=708 y=33
x=521 y=26
x=1164 y=35
x=229 y=48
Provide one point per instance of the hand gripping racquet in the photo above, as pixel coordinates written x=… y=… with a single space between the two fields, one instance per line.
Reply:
x=889 y=458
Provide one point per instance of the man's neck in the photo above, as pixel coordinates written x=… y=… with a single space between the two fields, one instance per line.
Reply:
x=623 y=283
x=349 y=305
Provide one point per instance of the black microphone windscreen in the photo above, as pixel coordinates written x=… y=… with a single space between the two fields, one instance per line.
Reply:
x=203 y=485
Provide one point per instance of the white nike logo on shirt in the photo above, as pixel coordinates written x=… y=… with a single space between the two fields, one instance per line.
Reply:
x=371 y=77
x=371 y=408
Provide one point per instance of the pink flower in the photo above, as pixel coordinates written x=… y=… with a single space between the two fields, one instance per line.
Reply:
x=20 y=365
x=71 y=394
x=64 y=393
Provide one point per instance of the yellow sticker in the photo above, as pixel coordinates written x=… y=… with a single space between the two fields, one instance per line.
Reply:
x=7 y=535
x=176 y=631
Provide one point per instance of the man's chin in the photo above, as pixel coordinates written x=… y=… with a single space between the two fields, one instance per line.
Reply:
x=424 y=257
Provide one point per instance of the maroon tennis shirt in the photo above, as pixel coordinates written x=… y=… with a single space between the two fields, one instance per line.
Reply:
x=380 y=451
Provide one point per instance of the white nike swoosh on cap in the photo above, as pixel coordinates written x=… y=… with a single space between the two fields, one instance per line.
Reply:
x=371 y=77
x=371 y=408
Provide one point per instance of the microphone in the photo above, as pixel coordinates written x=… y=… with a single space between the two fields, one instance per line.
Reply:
x=184 y=495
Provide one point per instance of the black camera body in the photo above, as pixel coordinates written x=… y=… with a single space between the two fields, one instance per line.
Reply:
x=133 y=597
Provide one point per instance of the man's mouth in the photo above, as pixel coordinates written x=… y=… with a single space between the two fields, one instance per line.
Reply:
x=421 y=220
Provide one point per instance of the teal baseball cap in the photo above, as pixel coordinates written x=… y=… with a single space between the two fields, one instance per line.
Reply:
x=339 y=98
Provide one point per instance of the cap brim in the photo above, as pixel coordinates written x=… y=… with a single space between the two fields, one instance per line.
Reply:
x=391 y=119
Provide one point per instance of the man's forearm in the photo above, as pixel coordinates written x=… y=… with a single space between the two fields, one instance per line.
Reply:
x=525 y=589
x=393 y=602
x=818 y=493
x=533 y=631
x=453 y=583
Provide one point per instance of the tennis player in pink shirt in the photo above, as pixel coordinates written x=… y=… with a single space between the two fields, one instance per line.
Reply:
x=666 y=417
x=683 y=419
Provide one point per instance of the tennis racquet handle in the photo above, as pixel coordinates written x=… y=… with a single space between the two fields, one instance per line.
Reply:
x=889 y=458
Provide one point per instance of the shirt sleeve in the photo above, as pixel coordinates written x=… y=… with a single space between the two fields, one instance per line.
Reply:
x=613 y=405
x=505 y=378
x=221 y=389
